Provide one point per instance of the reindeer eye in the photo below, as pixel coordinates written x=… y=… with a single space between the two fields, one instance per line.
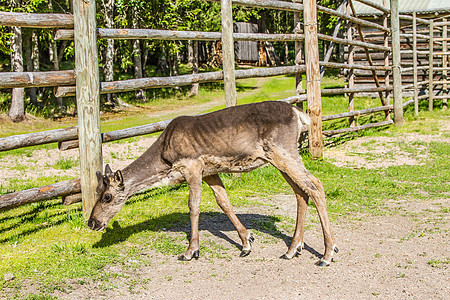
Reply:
x=106 y=198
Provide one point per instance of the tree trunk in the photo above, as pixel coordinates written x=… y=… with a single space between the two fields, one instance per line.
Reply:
x=17 y=109
x=108 y=72
x=194 y=89
x=137 y=58
x=190 y=50
x=145 y=58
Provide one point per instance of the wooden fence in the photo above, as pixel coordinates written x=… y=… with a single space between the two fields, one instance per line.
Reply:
x=84 y=81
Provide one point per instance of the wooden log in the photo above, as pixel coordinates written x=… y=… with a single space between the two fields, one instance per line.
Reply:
x=36 y=79
x=157 y=82
x=133 y=34
x=313 y=78
x=419 y=83
x=298 y=60
x=88 y=100
x=351 y=73
x=71 y=199
x=356 y=89
x=38 y=138
x=396 y=64
x=445 y=62
x=229 y=78
x=34 y=20
x=358 y=112
x=443 y=23
x=375 y=5
x=357 y=128
x=39 y=194
x=430 y=69
x=363 y=44
x=354 y=66
x=415 y=68
x=408 y=17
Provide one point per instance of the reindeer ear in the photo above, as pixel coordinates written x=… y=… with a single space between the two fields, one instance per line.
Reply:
x=99 y=176
x=108 y=170
x=118 y=177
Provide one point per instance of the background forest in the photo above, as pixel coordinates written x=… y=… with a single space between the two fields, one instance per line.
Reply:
x=28 y=49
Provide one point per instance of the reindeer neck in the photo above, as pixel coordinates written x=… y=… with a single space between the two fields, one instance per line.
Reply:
x=148 y=171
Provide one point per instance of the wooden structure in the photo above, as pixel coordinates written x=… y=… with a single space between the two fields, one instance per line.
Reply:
x=424 y=51
x=87 y=135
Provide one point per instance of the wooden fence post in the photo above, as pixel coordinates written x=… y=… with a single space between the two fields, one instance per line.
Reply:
x=313 y=78
x=416 y=92
x=445 y=63
x=431 y=67
x=229 y=80
x=396 y=62
x=351 y=61
x=88 y=99
x=387 y=94
x=298 y=56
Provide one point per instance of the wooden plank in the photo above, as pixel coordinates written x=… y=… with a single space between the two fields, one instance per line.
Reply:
x=36 y=79
x=396 y=64
x=313 y=78
x=34 y=20
x=229 y=79
x=40 y=194
x=88 y=100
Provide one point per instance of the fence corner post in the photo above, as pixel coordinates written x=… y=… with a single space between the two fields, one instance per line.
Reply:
x=313 y=91
x=396 y=64
x=88 y=99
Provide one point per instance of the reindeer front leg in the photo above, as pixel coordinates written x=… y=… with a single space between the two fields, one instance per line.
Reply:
x=193 y=176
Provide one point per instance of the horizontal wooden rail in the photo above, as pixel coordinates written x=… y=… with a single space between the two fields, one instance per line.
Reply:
x=357 y=89
x=127 y=34
x=38 y=138
x=441 y=53
x=442 y=97
x=36 y=79
x=357 y=128
x=34 y=20
x=441 y=23
x=358 y=112
x=375 y=5
x=173 y=81
x=353 y=66
x=418 y=68
x=408 y=86
x=48 y=192
x=410 y=18
x=353 y=42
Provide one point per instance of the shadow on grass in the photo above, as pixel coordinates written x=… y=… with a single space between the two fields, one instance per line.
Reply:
x=214 y=222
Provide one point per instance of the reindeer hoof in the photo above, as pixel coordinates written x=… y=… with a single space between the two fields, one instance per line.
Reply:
x=245 y=253
x=299 y=250
x=251 y=239
x=323 y=263
x=336 y=249
x=195 y=255
x=285 y=256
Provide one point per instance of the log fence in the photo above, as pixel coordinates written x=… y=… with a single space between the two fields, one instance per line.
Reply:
x=87 y=71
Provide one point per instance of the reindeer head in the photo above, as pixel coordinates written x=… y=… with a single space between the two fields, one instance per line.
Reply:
x=110 y=197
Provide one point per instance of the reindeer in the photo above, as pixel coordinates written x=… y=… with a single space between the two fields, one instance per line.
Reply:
x=232 y=140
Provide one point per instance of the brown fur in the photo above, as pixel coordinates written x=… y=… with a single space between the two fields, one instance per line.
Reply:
x=236 y=139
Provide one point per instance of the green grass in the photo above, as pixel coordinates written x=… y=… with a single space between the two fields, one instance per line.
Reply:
x=49 y=243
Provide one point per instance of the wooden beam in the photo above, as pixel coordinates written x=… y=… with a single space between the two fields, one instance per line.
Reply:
x=396 y=64
x=40 y=194
x=36 y=79
x=430 y=69
x=88 y=100
x=313 y=78
x=415 y=85
x=357 y=128
x=445 y=62
x=229 y=79
x=34 y=20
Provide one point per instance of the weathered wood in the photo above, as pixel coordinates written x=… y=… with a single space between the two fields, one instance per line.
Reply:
x=354 y=66
x=396 y=64
x=430 y=69
x=375 y=5
x=445 y=62
x=356 y=89
x=39 y=194
x=37 y=138
x=357 y=128
x=408 y=17
x=298 y=55
x=313 y=78
x=34 y=20
x=88 y=100
x=71 y=199
x=362 y=44
x=351 y=74
x=229 y=78
x=415 y=85
x=443 y=23
x=132 y=34
x=36 y=79
x=157 y=82
x=358 y=112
